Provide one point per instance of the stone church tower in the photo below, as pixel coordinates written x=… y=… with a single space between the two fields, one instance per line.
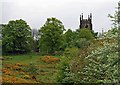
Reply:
x=86 y=23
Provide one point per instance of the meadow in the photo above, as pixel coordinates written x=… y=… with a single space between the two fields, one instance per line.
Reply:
x=14 y=68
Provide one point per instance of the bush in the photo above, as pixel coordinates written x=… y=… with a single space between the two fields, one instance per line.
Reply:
x=83 y=42
x=71 y=52
x=62 y=66
x=65 y=75
x=101 y=64
x=50 y=59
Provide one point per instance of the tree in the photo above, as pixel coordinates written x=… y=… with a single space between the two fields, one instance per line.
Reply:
x=101 y=64
x=116 y=17
x=51 y=36
x=85 y=33
x=69 y=38
x=16 y=37
x=116 y=25
x=84 y=37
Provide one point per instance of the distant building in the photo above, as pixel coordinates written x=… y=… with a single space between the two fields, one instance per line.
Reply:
x=86 y=23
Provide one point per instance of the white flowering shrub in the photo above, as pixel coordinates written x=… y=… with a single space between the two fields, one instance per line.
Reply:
x=102 y=64
x=64 y=75
x=113 y=33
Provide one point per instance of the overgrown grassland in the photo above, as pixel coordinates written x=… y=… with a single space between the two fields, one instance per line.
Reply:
x=14 y=67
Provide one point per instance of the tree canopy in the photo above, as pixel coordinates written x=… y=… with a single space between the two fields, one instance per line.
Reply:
x=51 y=36
x=85 y=33
x=16 y=37
x=69 y=38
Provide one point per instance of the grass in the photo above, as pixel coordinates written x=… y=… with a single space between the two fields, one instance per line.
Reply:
x=47 y=72
x=24 y=58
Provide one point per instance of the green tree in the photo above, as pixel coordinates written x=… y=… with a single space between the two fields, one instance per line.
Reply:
x=84 y=37
x=16 y=37
x=69 y=38
x=51 y=36
x=85 y=33
x=115 y=18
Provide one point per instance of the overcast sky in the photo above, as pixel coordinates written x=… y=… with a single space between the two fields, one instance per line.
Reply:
x=35 y=12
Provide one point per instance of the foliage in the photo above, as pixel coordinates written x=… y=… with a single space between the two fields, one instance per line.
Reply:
x=115 y=18
x=82 y=42
x=83 y=37
x=69 y=38
x=51 y=36
x=97 y=64
x=78 y=38
x=71 y=52
x=102 y=63
x=65 y=75
x=50 y=59
x=113 y=33
x=85 y=33
x=62 y=66
x=68 y=76
x=16 y=37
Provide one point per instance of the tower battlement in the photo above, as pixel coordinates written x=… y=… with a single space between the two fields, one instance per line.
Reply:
x=86 y=23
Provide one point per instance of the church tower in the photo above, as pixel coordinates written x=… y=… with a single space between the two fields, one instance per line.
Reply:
x=86 y=23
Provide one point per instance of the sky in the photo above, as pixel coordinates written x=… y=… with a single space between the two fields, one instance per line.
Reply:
x=36 y=12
